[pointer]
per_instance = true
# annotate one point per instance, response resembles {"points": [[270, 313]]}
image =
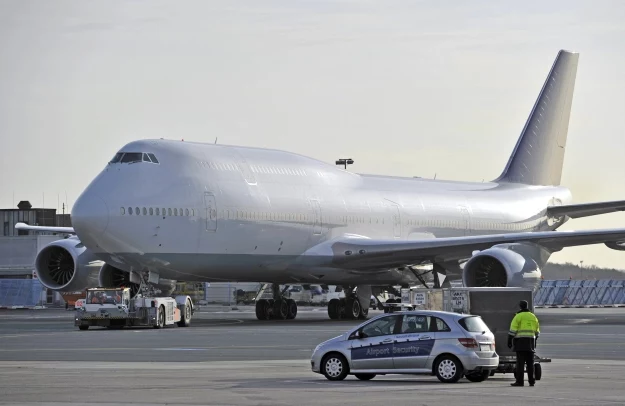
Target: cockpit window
{"points": [[117, 158], [130, 157]]}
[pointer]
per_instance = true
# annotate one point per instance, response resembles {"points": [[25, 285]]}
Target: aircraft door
{"points": [[316, 217], [210, 204], [396, 218], [465, 219]]}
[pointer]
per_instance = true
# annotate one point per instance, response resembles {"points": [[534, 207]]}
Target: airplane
{"points": [[163, 211]]}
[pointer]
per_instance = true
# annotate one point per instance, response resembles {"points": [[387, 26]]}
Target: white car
{"points": [[448, 345]]}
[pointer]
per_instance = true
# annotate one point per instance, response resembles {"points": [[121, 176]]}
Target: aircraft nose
{"points": [[90, 216]]}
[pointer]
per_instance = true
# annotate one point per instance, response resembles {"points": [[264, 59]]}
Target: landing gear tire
{"points": [[185, 317], [292, 306], [263, 309], [280, 309], [334, 309], [365, 377], [160, 317], [478, 376], [352, 308]]}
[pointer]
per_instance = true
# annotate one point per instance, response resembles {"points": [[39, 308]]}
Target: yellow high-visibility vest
{"points": [[524, 324]]}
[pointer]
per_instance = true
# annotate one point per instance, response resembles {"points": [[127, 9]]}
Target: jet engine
{"points": [[510, 265], [67, 266], [112, 277]]}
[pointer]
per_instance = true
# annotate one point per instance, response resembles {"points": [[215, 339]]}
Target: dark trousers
{"points": [[524, 359]]}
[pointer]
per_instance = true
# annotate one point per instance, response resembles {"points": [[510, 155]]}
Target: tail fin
{"points": [[538, 156]]}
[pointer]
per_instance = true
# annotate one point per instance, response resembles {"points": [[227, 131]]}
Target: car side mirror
{"points": [[356, 335]]}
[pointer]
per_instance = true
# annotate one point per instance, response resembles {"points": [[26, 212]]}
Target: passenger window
{"points": [[145, 212], [157, 211], [181, 212], [415, 324], [164, 211], [193, 213], [130, 157], [381, 327], [151, 212], [169, 210], [175, 212], [137, 212], [439, 325], [130, 210], [153, 158], [186, 212], [123, 211]]}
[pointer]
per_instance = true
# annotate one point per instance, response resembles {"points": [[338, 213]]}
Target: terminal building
{"points": [[18, 250]]}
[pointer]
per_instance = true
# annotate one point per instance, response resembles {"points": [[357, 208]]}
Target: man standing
{"points": [[524, 332]]}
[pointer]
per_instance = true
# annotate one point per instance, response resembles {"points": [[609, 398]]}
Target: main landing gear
{"points": [[354, 306], [278, 308]]}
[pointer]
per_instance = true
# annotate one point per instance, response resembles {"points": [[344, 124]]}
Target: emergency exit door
{"points": [[210, 204]]}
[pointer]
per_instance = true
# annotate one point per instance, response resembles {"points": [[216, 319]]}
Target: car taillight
{"points": [[468, 342]]}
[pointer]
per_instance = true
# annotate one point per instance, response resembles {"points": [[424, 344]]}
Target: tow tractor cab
{"points": [[113, 308]]}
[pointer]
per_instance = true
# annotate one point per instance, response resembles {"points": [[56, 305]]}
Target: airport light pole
{"points": [[344, 162]]}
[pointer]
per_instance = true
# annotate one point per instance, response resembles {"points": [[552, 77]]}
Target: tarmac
{"points": [[227, 357]]}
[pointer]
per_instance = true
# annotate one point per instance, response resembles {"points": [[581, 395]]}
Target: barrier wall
{"points": [[580, 293], [21, 293]]}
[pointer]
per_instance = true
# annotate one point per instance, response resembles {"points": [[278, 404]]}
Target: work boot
{"points": [[531, 383], [517, 384]]}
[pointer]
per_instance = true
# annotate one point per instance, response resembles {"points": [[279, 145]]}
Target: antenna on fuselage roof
{"points": [[215, 140]]}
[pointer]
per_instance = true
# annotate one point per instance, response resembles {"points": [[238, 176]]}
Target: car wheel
{"points": [[478, 376], [365, 377], [448, 369], [334, 367]]}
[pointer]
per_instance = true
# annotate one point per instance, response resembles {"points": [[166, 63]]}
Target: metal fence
{"points": [[18, 293], [15, 293], [580, 293]]}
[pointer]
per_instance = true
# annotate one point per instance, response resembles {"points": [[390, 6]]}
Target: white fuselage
{"points": [[213, 212]]}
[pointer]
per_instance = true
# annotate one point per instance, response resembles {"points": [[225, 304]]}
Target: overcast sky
{"points": [[408, 88]]}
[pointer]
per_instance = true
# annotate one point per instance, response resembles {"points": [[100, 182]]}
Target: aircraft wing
{"points": [[361, 253], [586, 209], [62, 230]]}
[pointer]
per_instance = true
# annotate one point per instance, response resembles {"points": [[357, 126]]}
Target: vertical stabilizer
{"points": [[538, 156]]}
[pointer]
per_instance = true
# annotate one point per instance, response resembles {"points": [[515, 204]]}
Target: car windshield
{"points": [[104, 297], [473, 324]]}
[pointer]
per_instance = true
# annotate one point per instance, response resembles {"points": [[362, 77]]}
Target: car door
{"points": [[414, 342], [373, 348]]}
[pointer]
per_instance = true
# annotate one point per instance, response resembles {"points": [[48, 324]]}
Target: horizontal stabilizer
{"points": [[62, 230], [586, 209]]}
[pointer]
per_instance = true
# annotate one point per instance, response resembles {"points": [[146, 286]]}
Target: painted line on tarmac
{"points": [[234, 347]]}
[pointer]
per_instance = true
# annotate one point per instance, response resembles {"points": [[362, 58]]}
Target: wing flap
{"points": [[586, 209], [373, 254]]}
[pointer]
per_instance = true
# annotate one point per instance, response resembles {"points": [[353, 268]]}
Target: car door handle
{"points": [[387, 341]]}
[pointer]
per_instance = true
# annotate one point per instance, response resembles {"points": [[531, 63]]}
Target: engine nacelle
{"points": [[67, 266], [112, 277], [503, 266]]}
